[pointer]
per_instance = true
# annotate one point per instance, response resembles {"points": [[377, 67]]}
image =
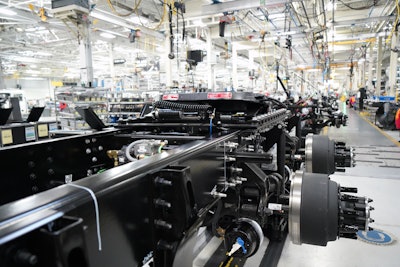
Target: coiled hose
{"points": [[181, 106]]}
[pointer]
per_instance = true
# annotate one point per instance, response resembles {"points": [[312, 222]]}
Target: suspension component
{"points": [[319, 211], [344, 155], [323, 155]]}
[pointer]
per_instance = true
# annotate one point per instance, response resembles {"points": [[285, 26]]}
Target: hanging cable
{"points": [[162, 17], [96, 209], [183, 27], [177, 41], [305, 16], [114, 10], [212, 116], [171, 32], [375, 2], [395, 25], [323, 12]]}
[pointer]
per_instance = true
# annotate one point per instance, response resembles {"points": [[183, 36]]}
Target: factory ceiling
{"points": [[39, 40]]}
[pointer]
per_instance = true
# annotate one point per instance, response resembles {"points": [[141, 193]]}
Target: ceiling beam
{"points": [[363, 21], [107, 17], [356, 37], [240, 5]]}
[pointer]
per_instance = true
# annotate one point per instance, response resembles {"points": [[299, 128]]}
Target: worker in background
{"points": [[361, 95], [397, 121], [343, 100], [352, 101], [63, 106]]}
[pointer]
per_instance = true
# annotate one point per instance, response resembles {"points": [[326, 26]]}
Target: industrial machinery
{"points": [[385, 114], [194, 169], [318, 113]]}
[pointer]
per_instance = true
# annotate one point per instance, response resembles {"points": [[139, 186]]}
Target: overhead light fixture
{"points": [[138, 20], [286, 33], [199, 23], [277, 16], [35, 29], [107, 35], [330, 6], [160, 49], [6, 11], [44, 54]]}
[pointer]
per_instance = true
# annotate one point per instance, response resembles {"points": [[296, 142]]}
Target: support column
{"points": [[210, 70], [355, 79], [364, 67], [378, 68], [302, 83], [370, 65], [251, 59], [112, 69], [85, 54], [2, 83], [234, 76], [393, 66], [349, 84], [361, 74]]}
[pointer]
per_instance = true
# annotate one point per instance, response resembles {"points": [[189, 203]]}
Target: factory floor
{"points": [[376, 175]]}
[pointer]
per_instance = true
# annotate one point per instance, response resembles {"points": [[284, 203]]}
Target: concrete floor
{"points": [[377, 175]]}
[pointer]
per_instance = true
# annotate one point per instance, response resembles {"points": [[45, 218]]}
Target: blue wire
{"points": [[210, 127]]}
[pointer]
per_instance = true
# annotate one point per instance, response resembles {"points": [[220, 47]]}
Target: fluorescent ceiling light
{"points": [[119, 49], [107, 35], [41, 28], [45, 54], [9, 12], [32, 71], [199, 23], [287, 33], [277, 16], [100, 42], [138, 20], [330, 6], [32, 78]]}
